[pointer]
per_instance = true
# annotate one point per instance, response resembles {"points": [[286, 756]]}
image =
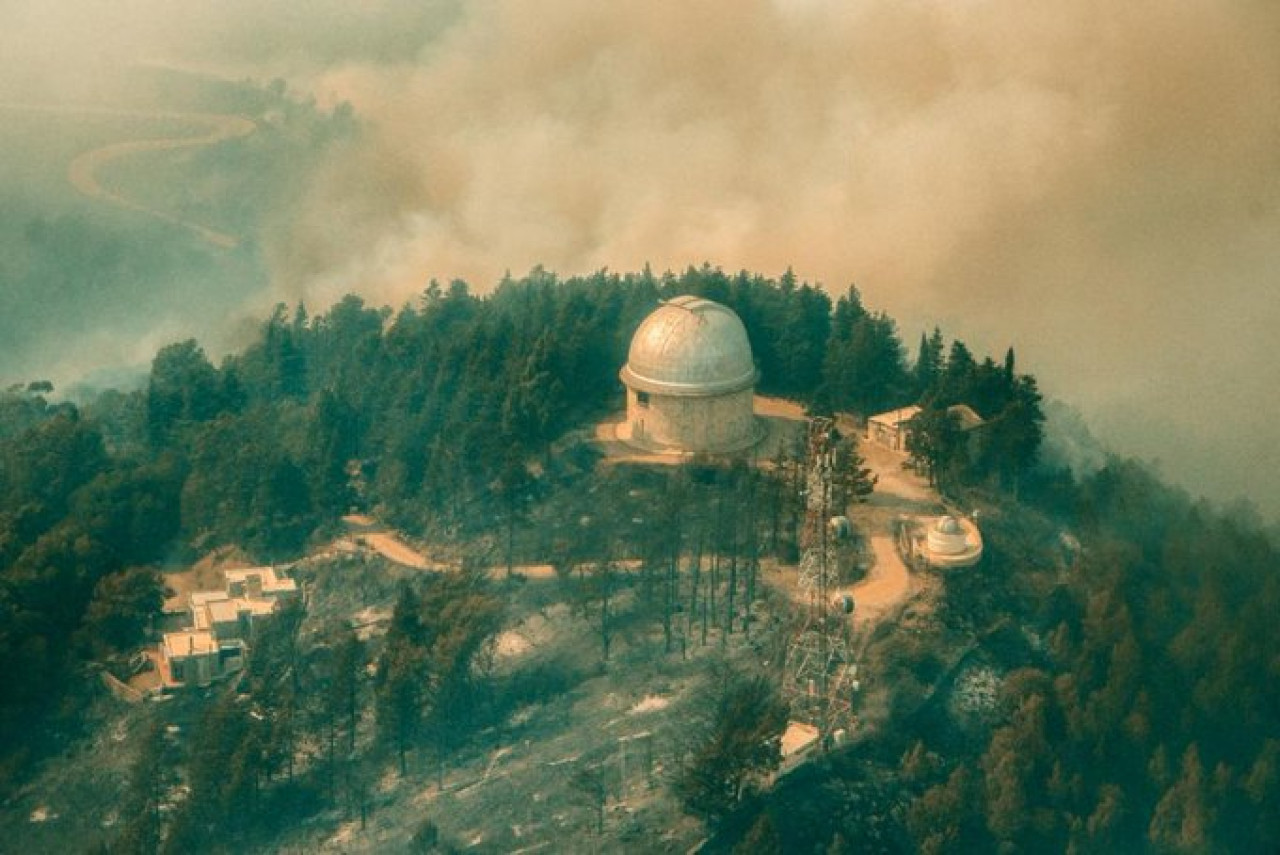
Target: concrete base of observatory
{"points": [[775, 424], [720, 425]]}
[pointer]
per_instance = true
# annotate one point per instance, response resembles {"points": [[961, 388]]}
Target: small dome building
{"points": [[947, 537], [690, 380], [950, 542]]}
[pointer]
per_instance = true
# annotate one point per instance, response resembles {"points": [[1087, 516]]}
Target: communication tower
{"points": [[820, 673]]}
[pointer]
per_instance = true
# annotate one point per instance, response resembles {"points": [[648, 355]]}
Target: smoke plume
{"points": [[1095, 184]]}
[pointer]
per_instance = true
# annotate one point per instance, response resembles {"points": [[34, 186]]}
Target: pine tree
{"points": [[956, 383], [183, 389], [403, 677], [1180, 821], [852, 481], [935, 446], [928, 367], [741, 746]]}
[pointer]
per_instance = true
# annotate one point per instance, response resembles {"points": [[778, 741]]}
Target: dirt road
{"points": [[82, 173], [391, 547], [887, 585], [898, 493]]}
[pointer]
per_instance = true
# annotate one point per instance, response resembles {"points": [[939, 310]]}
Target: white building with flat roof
{"points": [[221, 623], [260, 583], [890, 429], [196, 657]]}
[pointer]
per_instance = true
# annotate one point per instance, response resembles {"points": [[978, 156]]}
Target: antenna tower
{"points": [[820, 672]]}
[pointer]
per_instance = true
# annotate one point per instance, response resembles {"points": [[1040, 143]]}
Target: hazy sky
{"points": [[1095, 183]]}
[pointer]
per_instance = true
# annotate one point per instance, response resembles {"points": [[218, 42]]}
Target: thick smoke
{"points": [[1097, 184]]}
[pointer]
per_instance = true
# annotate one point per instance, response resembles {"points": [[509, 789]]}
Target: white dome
{"points": [[947, 537], [690, 346], [949, 525]]}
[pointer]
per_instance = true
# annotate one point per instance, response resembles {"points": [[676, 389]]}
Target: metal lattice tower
{"points": [[820, 671]]}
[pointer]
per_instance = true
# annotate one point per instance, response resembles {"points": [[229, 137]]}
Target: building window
{"points": [[642, 399]]}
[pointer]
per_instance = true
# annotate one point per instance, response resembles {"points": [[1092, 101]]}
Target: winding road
{"points": [[886, 586], [890, 583], [82, 173]]}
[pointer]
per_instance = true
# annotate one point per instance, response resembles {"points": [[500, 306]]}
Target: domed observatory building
{"points": [[951, 542], [690, 379]]}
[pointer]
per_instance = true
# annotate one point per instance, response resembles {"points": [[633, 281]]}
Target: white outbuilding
{"points": [[690, 380], [952, 542], [890, 429]]}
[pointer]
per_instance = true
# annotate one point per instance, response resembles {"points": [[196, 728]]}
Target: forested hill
{"points": [[439, 401], [1146, 711], [1132, 633]]}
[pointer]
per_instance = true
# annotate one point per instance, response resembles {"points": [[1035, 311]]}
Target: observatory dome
{"points": [[952, 542], [949, 525], [690, 380], [690, 346], [947, 537]]}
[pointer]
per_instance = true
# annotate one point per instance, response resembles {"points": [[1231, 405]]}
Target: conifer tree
{"points": [[928, 367]]}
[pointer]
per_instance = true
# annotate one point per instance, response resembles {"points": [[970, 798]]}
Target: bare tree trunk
{"points": [[440, 765], [333, 751], [732, 592], [606, 584], [695, 580], [732, 543], [715, 586], [752, 546], [511, 538], [668, 600]]}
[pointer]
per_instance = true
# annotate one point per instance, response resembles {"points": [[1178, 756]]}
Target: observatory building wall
{"points": [[715, 423]]}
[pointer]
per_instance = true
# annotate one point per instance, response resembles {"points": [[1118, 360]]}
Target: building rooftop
{"points": [[228, 611], [266, 576], [200, 603], [202, 598], [226, 606], [798, 737], [223, 611], [252, 592], [895, 418], [256, 607], [190, 642]]}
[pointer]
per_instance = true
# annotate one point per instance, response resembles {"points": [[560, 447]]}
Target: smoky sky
{"points": [[1095, 184]]}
